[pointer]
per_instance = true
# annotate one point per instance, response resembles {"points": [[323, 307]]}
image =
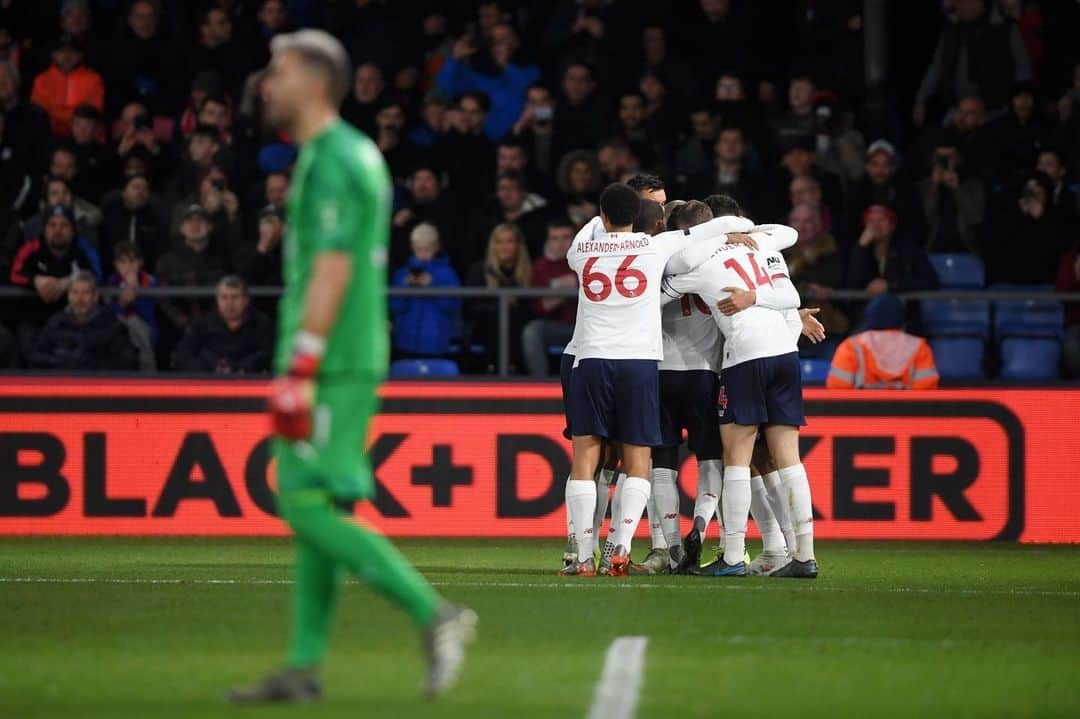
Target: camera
{"points": [[941, 161], [141, 122], [218, 184], [543, 113]]}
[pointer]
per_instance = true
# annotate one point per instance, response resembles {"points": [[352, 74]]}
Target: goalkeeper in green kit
{"points": [[331, 356]]}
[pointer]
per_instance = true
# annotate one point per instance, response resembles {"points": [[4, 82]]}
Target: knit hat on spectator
{"points": [[88, 112], [61, 211], [271, 211], [885, 312], [796, 141], [193, 210], [881, 145], [879, 209]]}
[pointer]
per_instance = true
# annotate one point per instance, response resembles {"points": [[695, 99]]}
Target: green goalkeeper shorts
{"points": [[335, 457]]}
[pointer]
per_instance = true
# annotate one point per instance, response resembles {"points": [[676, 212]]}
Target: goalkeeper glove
{"points": [[292, 396]]}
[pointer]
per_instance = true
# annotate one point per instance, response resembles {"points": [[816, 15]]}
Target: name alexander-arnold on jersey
{"points": [[635, 243]]}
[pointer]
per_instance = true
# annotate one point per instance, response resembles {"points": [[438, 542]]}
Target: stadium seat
{"points": [[424, 368], [956, 318], [1030, 358], [958, 357], [814, 371], [959, 271], [1027, 318]]}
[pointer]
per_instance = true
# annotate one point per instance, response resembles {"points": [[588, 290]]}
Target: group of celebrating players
{"points": [[687, 319]]}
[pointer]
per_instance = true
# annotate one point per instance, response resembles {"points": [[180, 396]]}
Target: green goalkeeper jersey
{"points": [[339, 201]]}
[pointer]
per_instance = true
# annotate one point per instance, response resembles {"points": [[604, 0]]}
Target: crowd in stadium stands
{"points": [[133, 154]]}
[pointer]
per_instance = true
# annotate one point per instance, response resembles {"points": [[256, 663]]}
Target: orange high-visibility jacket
{"points": [[883, 359], [61, 93]]}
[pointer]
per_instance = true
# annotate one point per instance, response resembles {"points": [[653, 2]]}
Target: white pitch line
{"points": [[703, 585], [619, 688]]}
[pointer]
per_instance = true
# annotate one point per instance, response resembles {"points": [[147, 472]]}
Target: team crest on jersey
{"points": [[328, 214], [378, 257]]}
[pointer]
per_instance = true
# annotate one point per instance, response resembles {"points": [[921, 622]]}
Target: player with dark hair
{"points": [[648, 187], [330, 359], [763, 389], [723, 205], [614, 390]]}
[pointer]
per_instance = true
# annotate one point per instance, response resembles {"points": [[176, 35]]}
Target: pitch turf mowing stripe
{"points": [[706, 584], [619, 687]]}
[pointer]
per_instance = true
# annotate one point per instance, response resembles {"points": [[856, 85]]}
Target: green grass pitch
{"points": [[890, 629]]}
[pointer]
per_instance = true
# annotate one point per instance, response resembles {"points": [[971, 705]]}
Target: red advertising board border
{"points": [[165, 456]]}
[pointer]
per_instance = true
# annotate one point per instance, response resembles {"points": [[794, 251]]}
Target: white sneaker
{"points": [[766, 563]]}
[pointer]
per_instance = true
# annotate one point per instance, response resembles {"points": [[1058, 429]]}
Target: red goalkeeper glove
{"points": [[292, 396]]}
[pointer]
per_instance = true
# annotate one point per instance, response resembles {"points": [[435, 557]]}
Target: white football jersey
{"points": [[691, 337], [619, 279], [571, 346], [758, 331]]}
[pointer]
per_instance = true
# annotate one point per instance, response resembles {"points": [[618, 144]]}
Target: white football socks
{"points": [[635, 497], [710, 486], [735, 506], [781, 507], [656, 531], [665, 496], [603, 495], [580, 503], [772, 539], [569, 519], [797, 488]]}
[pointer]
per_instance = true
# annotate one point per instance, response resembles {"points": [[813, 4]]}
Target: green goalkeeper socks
{"points": [[326, 540], [314, 598]]}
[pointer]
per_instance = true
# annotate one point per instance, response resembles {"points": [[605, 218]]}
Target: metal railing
{"points": [[503, 296]]}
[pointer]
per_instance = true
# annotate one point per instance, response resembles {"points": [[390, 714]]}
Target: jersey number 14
{"points": [[760, 278]]}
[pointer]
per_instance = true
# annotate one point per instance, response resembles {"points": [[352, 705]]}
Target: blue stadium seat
{"points": [[958, 357], [959, 271], [1030, 358], [814, 371], [956, 318], [1027, 318], [424, 368]]}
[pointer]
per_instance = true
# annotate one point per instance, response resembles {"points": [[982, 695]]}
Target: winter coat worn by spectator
{"points": [[184, 267], [906, 267], [100, 343], [883, 359], [34, 258], [60, 93], [423, 325], [210, 346], [143, 307], [506, 90], [884, 356]]}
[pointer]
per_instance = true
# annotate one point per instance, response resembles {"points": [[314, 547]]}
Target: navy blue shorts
{"points": [[616, 399], [763, 391], [566, 366], [688, 401]]}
